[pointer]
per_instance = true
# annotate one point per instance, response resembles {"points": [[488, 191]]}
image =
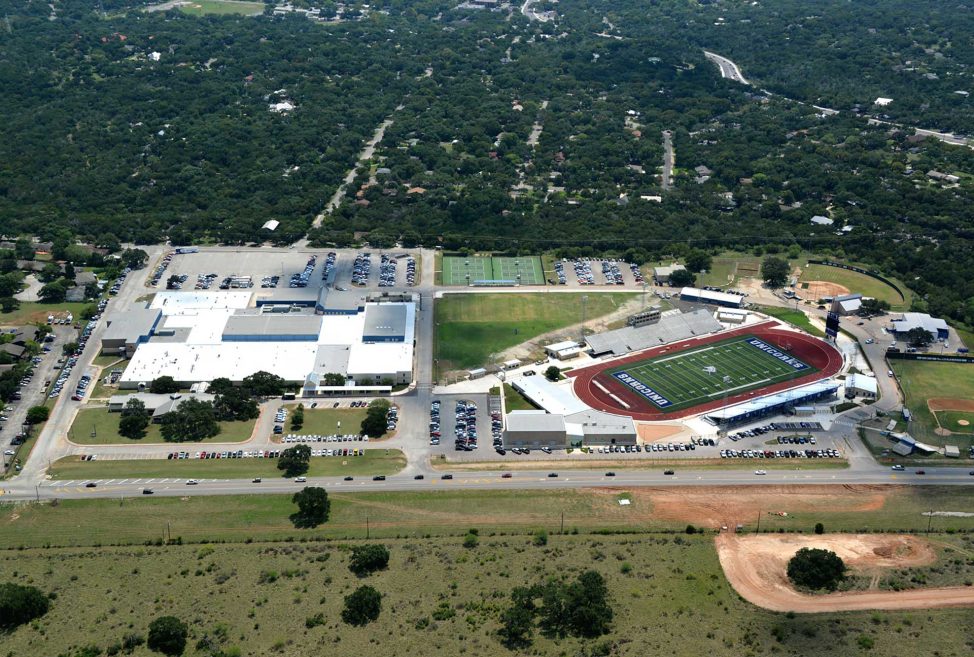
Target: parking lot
{"points": [[448, 425], [587, 272], [263, 266]]}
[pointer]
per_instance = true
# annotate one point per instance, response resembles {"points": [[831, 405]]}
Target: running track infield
{"points": [[592, 383]]}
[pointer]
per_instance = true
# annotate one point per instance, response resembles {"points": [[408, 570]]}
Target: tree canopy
{"points": [[295, 460], [367, 559], [815, 568], [20, 604], [193, 420], [362, 606], [167, 634], [313, 507]]}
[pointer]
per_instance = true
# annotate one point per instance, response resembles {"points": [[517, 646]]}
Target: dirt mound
{"points": [[756, 566], [950, 404]]}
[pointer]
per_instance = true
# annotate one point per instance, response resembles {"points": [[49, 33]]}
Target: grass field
{"points": [[460, 270], [471, 327], [201, 7], [440, 599], [956, 421], [324, 421], [922, 380], [793, 317], [105, 427], [676, 381], [855, 282], [373, 462], [36, 313]]}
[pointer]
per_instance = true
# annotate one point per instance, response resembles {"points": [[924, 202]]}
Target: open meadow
{"points": [[667, 592]]}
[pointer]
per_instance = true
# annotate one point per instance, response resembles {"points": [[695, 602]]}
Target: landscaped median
{"points": [[584, 462], [373, 462]]}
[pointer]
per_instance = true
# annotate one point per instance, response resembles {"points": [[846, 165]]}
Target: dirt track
{"points": [[755, 565]]}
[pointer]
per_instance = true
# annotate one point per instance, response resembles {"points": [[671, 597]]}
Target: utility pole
{"points": [[168, 532], [929, 520], [759, 522], [37, 491], [562, 522], [366, 526]]}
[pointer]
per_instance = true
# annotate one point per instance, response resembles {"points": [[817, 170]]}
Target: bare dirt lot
{"points": [[650, 433], [755, 565], [714, 507]]}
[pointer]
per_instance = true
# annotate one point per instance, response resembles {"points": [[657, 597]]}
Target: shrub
{"points": [[367, 559], [20, 604], [362, 606], [167, 634], [541, 537], [816, 569], [819, 528]]}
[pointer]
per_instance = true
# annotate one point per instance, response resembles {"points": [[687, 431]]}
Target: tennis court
{"points": [[707, 373], [459, 270], [456, 269]]}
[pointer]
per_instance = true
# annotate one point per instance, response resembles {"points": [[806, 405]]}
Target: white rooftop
{"points": [[722, 297], [553, 397], [862, 382], [561, 346], [175, 302]]}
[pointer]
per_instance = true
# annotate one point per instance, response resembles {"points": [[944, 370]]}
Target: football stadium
{"points": [[690, 377]]}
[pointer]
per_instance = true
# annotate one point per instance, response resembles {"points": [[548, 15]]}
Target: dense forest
{"points": [[505, 133]]}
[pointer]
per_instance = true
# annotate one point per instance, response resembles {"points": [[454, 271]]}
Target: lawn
{"points": [[471, 327], [373, 462], [793, 317], [515, 401], [201, 7], [324, 421], [105, 427], [922, 380], [36, 313], [855, 282]]}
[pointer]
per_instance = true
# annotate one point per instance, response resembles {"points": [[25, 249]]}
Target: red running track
{"points": [[814, 351]]}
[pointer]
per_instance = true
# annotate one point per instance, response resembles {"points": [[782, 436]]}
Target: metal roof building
{"points": [[128, 331], [535, 429], [774, 403], [936, 327], [272, 328], [712, 298], [385, 322], [670, 328]]}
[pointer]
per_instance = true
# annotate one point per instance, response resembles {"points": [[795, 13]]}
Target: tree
{"points": [[362, 606], [333, 379], [54, 292], [682, 278], [219, 386], [38, 414], [775, 272], [578, 608], [313, 507], [376, 419], [134, 258], [134, 420], [163, 385], [9, 304], [20, 604], [367, 559], [264, 384], [235, 404], [815, 568], [294, 460], [698, 260], [552, 373], [193, 420], [167, 634], [517, 621], [918, 337], [297, 417], [873, 307], [50, 273], [69, 348], [819, 528]]}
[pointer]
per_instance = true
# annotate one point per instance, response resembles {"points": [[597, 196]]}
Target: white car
{"points": [[191, 482], [760, 472]]}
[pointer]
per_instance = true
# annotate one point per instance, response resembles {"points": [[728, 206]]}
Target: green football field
{"points": [[672, 382], [460, 270]]}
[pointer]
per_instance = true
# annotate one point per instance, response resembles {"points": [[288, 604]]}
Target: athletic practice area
{"points": [[690, 377], [496, 270], [676, 381]]}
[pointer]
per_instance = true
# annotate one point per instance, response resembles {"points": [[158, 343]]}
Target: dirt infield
{"points": [[950, 404], [821, 289], [817, 353], [756, 565]]}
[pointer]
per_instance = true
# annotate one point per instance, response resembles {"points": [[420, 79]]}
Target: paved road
{"points": [[668, 161], [732, 71], [521, 480]]}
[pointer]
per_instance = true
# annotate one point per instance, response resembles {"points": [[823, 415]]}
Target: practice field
{"points": [[706, 373], [201, 7], [459, 270], [695, 376], [854, 282]]}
